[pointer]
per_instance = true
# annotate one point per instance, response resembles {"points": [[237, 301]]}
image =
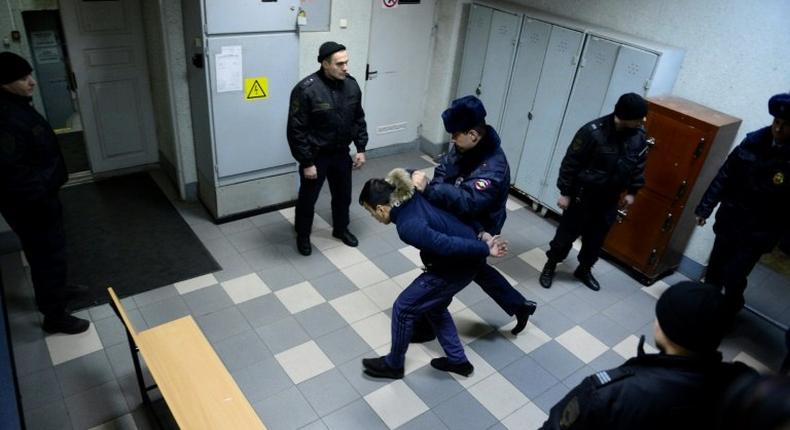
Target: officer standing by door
{"points": [[31, 173], [753, 187], [325, 116], [606, 158]]}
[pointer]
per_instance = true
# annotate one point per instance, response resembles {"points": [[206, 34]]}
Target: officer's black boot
{"points": [[463, 369], [547, 274], [585, 275], [303, 245], [346, 237], [378, 367], [522, 316], [64, 323]]}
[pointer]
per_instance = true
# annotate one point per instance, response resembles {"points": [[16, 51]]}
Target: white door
{"points": [[399, 54], [107, 52]]}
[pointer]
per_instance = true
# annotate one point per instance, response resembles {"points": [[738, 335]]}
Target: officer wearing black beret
{"points": [[753, 190], [606, 158], [31, 173], [324, 118], [679, 388]]}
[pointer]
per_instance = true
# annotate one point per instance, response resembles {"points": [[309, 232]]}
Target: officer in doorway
{"points": [[324, 118], [31, 173], [679, 388], [606, 158], [753, 187]]}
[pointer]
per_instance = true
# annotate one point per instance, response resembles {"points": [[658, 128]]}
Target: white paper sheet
{"points": [[229, 73]]}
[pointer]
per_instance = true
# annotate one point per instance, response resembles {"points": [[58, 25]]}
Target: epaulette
{"points": [[307, 82], [606, 377]]}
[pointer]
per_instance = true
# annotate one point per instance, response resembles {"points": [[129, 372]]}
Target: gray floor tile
{"points": [[529, 377], [573, 307], [242, 350], [342, 345], [111, 331], [156, 295], [578, 376], [283, 334], [373, 247], [51, 416], [320, 320], [464, 412], [496, 350], [207, 300], [96, 406], [315, 425], [281, 276], [393, 263], [551, 321], [262, 380], [31, 357], [287, 410], [39, 388], [233, 266], [312, 266], [164, 311], [432, 386], [328, 392], [248, 239], [550, 398], [427, 421], [605, 329], [237, 226], [471, 294], [100, 312], [490, 311], [364, 384], [556, 359], [120, 359], [633, 312], [206, 231], [83, 373], [220, 246], [356, 416], [279, 232], [264, 258], [266, 218], [607, 360], [333, 285], [263, 310], [517, 269], [222, 324]]}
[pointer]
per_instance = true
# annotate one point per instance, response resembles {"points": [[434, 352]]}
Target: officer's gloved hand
{"points": [[419, 179]]}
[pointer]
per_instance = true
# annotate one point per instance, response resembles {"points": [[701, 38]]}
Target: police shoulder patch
{"points": [[570, 413], [307, 82], [482, 184]]}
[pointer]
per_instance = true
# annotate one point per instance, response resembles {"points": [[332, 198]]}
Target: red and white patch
{"points": [[482, 184]]}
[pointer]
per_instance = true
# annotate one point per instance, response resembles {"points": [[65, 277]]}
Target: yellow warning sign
{"points": [[256, 88]]}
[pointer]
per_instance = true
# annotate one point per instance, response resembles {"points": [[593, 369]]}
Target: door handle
{"points": [[700, 148], [197, 61], [478, 91], [370, 74]]}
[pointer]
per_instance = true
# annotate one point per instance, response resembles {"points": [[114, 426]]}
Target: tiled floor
{"points": [[292, 331]]}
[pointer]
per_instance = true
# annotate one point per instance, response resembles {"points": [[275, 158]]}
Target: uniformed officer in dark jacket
{"points": [[325, 116], [679, 388], [472, 181], [31, 173], [753, 187], [605, 159]]}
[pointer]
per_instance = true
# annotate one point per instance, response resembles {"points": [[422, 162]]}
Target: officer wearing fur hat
{"points": [[452, 254], [324, 118], [31, 173], [679, 388], [605, 159], [472, 181], [753, 187]]}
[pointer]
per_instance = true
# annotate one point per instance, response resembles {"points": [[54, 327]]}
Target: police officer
{"points": [[753, 187], [679, 388], [472, 182], [451, 253], [606, 158], [31, 173], [325, 116]]}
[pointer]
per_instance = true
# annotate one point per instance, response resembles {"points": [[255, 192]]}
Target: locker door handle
{"points": [[681, 189], [667, 223], [529, 116], [370, 74], [478, 91], [700, 148]]}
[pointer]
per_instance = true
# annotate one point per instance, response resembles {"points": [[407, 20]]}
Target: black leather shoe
{"points": [[379, 368], [303, 245], [547, 274], [67, 324], [522, 316], [585, 275], [347, 238], [463, 369]]}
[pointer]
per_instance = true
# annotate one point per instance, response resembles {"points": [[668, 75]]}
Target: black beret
{"points": [[630, 106], [464, 114], [692, 315], [329, 48], [13, 67], [779, 106]]}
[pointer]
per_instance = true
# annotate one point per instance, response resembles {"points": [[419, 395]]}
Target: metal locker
{"points": [[632, 73], [250, 16], [523, 86], [498, 64], [477, 30], [559, 69]]}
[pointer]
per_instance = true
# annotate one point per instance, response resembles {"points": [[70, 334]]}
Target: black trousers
{"points": [[39, 226], [731, 260], [336, 169], [590, 217]]}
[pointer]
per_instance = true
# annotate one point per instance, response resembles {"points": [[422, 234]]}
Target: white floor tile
{"points": [[320, 223], [404, 279], [627, 348], [323, 240], [288, 213], [528, 417], [195, 284], [383, 294], [364, 274], [747, 359], [344, 256], [396, 404], [65, 347], [528, 340], [514, 204], [375, 329], [354, 306], [657, 289], [582, 344], [304, 361], [535, 257], [299, 297], [245, 288], [124, 422], [498, 395], [470, 325], [456, 306], [412, 254], [482, 369]]}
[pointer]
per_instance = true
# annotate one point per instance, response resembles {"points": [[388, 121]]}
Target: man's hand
{"points": [[484, 236], [359, 160], [419, 179], [563, 202], [310, 172], [701, 221], [497, 247], [627, 201]]}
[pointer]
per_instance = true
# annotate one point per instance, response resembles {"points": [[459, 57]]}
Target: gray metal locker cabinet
{"points": [[554, 87], [475, 44], [632, 71]]}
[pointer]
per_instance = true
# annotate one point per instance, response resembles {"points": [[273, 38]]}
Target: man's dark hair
{"points": [[376, 192]]}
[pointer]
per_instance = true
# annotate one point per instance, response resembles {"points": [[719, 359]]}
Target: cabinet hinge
{"points": [[648, 82]]}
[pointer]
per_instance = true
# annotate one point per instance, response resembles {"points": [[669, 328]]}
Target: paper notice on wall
{"points": [[229, 73]]}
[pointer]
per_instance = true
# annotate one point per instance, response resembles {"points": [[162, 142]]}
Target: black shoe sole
{"points": [[532, 307]]}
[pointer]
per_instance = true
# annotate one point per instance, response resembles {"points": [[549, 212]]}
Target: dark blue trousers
{"points": [[499, 289]]}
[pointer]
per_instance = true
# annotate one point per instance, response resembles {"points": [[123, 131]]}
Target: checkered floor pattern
{"points": [[292, 330]]}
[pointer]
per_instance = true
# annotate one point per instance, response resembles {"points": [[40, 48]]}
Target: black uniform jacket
{"points": [[325, 115], [603, 160], [31, 165], [649, 391]]}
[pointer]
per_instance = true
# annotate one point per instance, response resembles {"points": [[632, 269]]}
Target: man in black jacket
{"points": [[679, 388], [31, 173], [325, 116], [606, 158], [753, 187]]}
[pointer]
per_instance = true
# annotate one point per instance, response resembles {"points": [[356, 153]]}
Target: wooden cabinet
{"points": [[691, 143]]}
